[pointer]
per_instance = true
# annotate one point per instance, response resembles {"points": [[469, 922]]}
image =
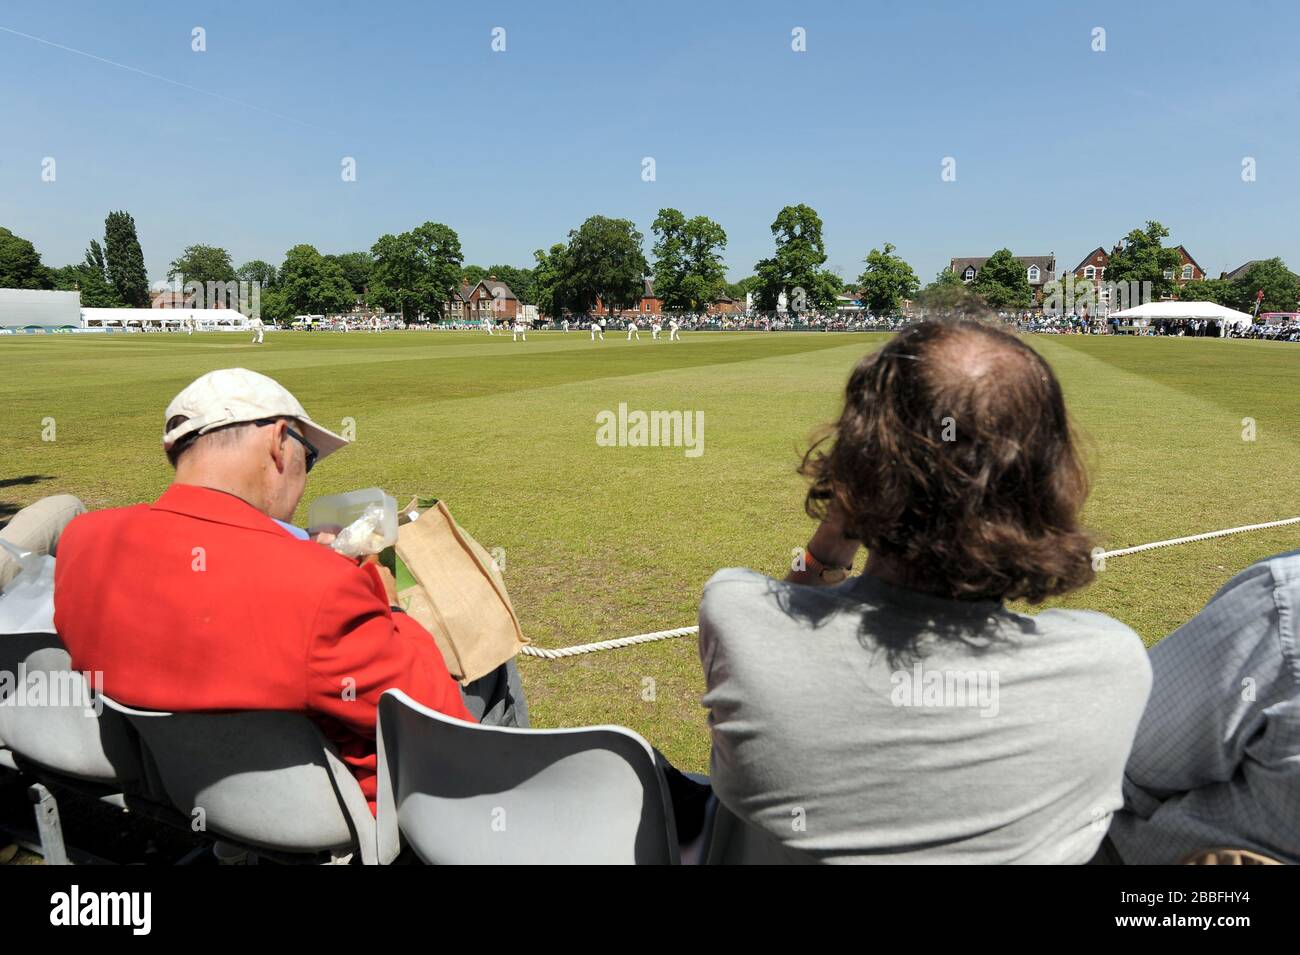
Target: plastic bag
{"points": [[27, 603], [363, 536]]}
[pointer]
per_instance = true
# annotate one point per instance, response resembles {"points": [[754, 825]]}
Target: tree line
{"points": [[603, 263]]}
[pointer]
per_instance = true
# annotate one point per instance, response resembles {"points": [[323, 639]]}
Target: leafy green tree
{"points": [[20, 264], [688, 269], [125, 260], [670, 257], [1140, 257], [96, 290], [604, 260], [356, 268], [739, 290], [548, 280], [275, 305], [202, 264], [1002, 282], [259, 272], [950, 295], [519, 280], [795, 269], [473, 274], [1278, 283], [312, 284], [415, 272], [1206, 290], [886, 281]]}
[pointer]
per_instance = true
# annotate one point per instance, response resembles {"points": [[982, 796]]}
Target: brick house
{"points": [[485, 299], [1190, 270], [649, 304], [1039, 270]]}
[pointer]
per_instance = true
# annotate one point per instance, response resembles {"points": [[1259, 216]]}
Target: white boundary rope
{"points": [[556, 654]]}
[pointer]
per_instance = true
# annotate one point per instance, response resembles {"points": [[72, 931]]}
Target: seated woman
{"points": [[907, 715]]}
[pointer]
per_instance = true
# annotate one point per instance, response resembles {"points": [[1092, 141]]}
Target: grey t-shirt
{"points": [[1004, 740]]}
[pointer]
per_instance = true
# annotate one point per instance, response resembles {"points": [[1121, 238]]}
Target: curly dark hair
{"points": [[955, 459]]}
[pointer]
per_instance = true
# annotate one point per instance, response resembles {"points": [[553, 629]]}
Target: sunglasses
{"points": [[312, 452]]}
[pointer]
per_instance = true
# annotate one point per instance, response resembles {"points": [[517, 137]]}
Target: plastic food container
{"points": [[372, 511]]}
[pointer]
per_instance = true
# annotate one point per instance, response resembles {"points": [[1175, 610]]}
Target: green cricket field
{"points": [[1182, 436]]}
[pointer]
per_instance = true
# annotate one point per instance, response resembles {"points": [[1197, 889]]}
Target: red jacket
{"points": [[201, 602]]}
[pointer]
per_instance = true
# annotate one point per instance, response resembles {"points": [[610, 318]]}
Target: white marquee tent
{"points": [[203, 318], [1208, 311]]}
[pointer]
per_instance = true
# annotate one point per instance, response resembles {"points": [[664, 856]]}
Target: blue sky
{"points": [[1058, 148]]}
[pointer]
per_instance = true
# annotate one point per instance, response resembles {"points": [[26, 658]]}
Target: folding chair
{"points": [[458, 792], [266, 780]]}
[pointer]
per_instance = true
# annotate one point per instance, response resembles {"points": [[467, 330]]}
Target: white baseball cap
{"points": [[235, 396]]}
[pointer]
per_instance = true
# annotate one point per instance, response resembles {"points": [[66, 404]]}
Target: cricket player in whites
{"points": [[520, 330], [487, 324], [673, 334], [633, 329], [565, 324], [258, 329], [655, 328], [597, 329]]}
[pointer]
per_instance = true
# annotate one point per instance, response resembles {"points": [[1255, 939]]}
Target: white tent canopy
{"points": [[1208, 311]]}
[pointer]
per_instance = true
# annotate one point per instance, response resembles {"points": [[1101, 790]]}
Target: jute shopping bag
{"points": [[457, 593]]}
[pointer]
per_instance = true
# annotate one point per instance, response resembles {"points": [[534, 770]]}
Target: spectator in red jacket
{"points": [[207, 600]]}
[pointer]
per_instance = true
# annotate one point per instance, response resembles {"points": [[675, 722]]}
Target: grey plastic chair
{"points": [[462, 793], [267, 780], [64, 737]]}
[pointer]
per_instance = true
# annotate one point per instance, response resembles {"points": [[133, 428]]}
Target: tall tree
{"points": [[604, 260], [202, 264], [519, 280], [312, 284], [356, 268], [1003, 282], [948, 293], [96, 290], [548, 280], [257, 271], [886, 281], [20, 264], [1218, 291], [1274, 279], [125, 260], [415, 272], [688, 268], [1140, 257], [669, 250], [795, 270]]}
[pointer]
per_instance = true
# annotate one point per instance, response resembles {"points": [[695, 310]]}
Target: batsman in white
{"points": [[597, 329], [673, 334], [633, 329], [520, 330], [258, 330], [655, 328]]}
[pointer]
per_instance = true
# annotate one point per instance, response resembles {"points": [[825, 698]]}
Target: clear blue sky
{"points": [[1058, 148]]}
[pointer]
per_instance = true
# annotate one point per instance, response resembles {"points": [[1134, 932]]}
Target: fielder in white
{"points": [[258, 331], [596, 329], [487, 323], [565, 324], [633, 329], [673, 334], [655, 328], [520, 330]]}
